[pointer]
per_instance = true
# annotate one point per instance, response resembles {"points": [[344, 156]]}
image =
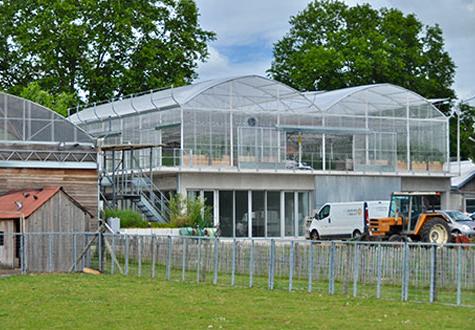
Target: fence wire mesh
{"points": [[392, 271]]}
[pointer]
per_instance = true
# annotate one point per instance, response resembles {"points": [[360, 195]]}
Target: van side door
{"points": [[324, 219]]}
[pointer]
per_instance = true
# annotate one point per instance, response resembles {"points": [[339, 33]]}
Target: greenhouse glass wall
{"points": [[252, 122]]}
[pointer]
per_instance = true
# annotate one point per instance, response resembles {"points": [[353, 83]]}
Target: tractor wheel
{"points": [[436, 231], [314, 235], [395, 238]]}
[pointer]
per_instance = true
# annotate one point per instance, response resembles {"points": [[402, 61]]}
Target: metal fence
{"points": [[394, 271]]}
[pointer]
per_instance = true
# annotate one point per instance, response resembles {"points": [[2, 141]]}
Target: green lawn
{"points": [[104, 302]]}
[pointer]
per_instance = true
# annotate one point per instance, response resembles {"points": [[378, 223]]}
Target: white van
{"points": [[344, 220]]}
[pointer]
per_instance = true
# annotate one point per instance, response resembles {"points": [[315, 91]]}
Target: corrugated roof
{"points": [[467, 169], [24, 203], [249, 90]]}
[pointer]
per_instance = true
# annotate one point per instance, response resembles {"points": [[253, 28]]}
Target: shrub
{"points": [[189, 212], [128, 218]]}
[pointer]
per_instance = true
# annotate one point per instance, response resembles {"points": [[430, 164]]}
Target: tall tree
{"points": [[331, 45], [97, 49]]}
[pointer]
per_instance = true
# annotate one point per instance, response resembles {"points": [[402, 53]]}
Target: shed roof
{"points": [[467, 173], [24, 203]]}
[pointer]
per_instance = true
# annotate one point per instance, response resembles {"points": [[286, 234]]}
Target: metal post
{"points": [[310, 268], [233, 265], [433, 269], [154, 255], [380, 272], [99, 247], [139, 254], [291, 264], [459, 275], [405, 273], [183, 261], [215, 259], [198, 264], [356, 267], [251, 265], [50, 253], [25, 255], [271, 264], [75, 249], [169, 257], [113, 255], [22, 253], [126, 267], [331, 270]]}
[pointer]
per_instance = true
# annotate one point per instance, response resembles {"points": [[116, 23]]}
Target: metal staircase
{"points": [[125, 181]]}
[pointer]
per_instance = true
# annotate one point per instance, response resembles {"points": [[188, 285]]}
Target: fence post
{"points": [[99, 247], [380, 272], [22, 253], [126, 267], [75, 252], [183, 261], [169, 257], [50, 253], [271, 265], [251, 264], [356, 266], [154, 254], [233, 265], [405, 273], [291, 264], [459, 275], [198, 264], [215, 261], [25, 254], [310, 268], [433, 270], [139, 254], [113, 255], [331, 270]]}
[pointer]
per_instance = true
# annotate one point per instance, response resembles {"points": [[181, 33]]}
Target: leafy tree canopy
{"points": [[331, 45], [97, 49]]}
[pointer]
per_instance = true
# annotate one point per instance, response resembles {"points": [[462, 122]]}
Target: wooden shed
{"points": [[46, 218]]}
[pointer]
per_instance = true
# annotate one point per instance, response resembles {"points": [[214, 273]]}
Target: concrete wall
{"points": [[245, 181], [429, 185], [333, 188]]}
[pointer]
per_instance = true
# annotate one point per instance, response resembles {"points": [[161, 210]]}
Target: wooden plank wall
{"points": [[59, 215], [7, 251], [79, 184]]}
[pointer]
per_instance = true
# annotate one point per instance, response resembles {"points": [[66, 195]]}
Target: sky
{"points": [[247, 29]]}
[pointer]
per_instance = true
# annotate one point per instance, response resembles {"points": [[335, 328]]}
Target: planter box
{"points": [[419, 166]]}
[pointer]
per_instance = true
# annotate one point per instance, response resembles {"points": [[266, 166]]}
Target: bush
{"points": [[128, 218], [189, 212]]}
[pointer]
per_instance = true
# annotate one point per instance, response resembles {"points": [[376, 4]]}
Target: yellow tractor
{"points": [[413, 216]]}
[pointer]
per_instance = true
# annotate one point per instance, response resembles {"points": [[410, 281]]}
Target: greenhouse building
{"points": [[264, 155]]}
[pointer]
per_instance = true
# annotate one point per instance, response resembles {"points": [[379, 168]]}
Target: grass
{"points": [[98, 302]]}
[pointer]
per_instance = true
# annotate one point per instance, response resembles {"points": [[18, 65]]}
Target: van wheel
{"points": [[314, 235], [356, 234]]}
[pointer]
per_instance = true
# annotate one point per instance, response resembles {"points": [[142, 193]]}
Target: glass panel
{"points": [[258, 214], [273, 214], [289, 214], [209, 200], [304, 211], [226, 213], [241, 214], [470, 205]]}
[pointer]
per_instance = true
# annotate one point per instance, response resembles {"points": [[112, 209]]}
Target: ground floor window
{"points": [[470, 205]]}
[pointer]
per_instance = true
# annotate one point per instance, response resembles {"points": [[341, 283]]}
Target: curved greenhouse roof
{"points": [[25, 121], [247, 93], [385, 100]]}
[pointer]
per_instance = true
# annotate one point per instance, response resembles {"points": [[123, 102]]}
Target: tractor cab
{"points": [[412, 216]]}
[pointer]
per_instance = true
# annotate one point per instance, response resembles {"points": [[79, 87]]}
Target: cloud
{"points": [[247, 29]]}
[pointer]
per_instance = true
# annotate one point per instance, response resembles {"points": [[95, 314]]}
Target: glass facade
{"points": [[254, 122]]}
